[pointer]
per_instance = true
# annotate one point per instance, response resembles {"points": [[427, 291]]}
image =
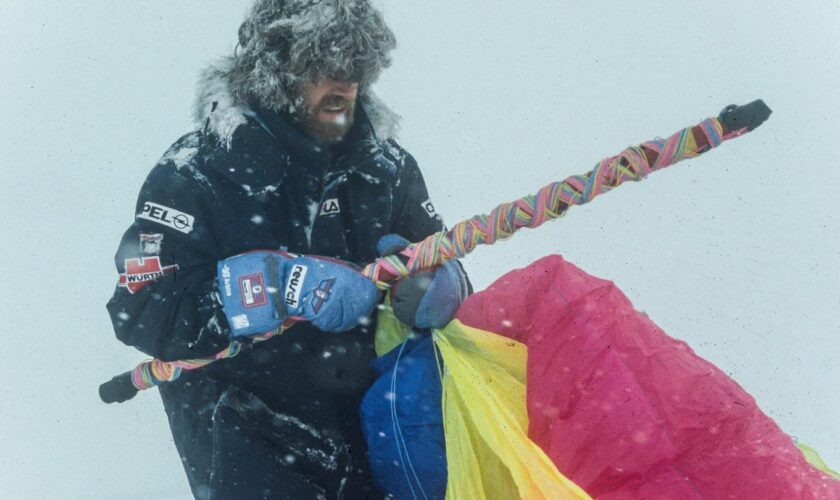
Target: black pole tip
{"points": [[118, 390], [749, 116]]}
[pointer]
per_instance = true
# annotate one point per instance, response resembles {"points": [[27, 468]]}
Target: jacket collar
{"points": [[309, 153], [285, 150], [304, 150]]}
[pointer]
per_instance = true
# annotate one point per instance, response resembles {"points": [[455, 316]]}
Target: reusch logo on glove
{"points": [[252, 290], [140, 272], [297, 275]]}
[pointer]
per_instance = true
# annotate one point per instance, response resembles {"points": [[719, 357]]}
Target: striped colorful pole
{"points": [[551, 202]]}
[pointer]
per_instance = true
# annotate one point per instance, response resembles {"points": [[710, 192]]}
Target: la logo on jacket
{"points": [[330, 207]]}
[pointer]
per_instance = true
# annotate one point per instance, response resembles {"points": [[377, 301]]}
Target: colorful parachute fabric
{"points": [[474, 422], [420, 417], [403, 423], [627, 412], [615, 407], [488, 451]]}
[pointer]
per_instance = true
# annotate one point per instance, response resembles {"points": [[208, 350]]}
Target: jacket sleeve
{"points": [[165, 303], [415, 216]]}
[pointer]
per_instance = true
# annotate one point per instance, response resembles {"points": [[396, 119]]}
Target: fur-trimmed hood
{"points": [[217, 109], [285, 43]]}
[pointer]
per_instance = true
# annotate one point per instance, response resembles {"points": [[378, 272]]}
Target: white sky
{"points": [[735, 252]]}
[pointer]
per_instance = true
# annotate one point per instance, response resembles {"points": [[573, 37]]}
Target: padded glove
{"points": [[260, 290], [250, 286], [331, 294], [428, 299]]}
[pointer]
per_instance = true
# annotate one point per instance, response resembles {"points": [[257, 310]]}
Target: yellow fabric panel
{"points": [[486, 422], [814, 459], [390, 332]]}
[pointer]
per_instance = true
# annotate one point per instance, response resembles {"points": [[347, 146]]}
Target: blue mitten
{"points": [[428, 299], [262, 289], [249, 286], [329, 293]]}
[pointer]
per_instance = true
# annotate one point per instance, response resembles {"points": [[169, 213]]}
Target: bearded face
{"points": [[328, 109]]}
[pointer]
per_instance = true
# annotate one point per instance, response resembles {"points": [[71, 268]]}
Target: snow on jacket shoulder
{"points": [[263, 186], [165, 303]]}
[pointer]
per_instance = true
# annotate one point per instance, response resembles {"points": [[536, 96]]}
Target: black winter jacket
{"points": [[265, 186]]}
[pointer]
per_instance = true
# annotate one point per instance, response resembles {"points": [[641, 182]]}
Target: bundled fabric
{"points": [[626, 411], [488, 450], [467, 441], [403, 425], [615, 408]]}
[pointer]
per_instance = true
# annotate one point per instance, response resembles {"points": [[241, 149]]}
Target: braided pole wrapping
{"points": [[550, 202], [154, 372]]}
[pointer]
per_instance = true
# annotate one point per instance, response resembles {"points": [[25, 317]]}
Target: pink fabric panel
{"points": [[626, 411]]}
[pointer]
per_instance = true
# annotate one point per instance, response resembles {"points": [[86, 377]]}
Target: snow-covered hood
{"points": [[217, 109]]}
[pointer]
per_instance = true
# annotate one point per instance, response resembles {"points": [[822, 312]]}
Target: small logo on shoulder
{"points": [[150, 244], [330, 207], [168, 217], [429, 208]]}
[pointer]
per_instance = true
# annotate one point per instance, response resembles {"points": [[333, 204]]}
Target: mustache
{"points": [[335, 101]]}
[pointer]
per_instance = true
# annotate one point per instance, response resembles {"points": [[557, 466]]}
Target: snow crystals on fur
{"points": [[284, 43], [216, 108]]}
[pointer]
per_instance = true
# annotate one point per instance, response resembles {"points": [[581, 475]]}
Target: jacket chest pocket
{"points": [[264, 223], [351, 217]]}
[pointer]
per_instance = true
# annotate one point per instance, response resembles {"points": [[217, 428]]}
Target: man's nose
{"points": [[346, 89]]}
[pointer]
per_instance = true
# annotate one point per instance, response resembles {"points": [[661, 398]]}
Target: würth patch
{"points": [[143, 271], [168, 217]]}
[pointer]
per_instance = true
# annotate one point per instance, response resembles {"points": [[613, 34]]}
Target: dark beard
{"points": [[327, 133]]}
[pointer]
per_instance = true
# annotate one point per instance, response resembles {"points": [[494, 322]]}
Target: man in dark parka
{"points": [[292, 151]]}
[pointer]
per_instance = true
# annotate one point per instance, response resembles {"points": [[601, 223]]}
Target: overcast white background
{"points": [[735, 252]]}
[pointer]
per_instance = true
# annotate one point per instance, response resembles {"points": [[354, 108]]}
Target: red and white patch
{"points": [[143, 271], [252, 290]]}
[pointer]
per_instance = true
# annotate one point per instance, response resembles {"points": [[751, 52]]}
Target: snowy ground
{"points": [[736, 252]]}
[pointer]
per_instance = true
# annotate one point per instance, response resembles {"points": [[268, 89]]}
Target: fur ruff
{"points": [[216, 107], [284, 43]]}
